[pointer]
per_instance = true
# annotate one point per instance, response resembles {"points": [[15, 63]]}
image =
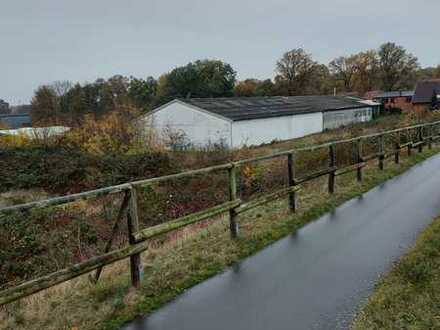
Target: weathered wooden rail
{"points": [[424, 135]]}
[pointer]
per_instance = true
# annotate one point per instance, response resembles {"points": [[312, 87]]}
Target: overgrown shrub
{"points": [[60, 170], [115, 133], [176, 198], [43, 240]]}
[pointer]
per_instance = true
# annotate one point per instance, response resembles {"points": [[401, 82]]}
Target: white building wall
{"points": [[199, 128], [335, 119], [202, 128], [258, 131]]}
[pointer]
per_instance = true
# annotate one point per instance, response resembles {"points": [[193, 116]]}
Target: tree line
{"points": [[390, 67]]}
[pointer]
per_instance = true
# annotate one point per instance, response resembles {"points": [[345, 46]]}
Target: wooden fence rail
{"points": [[139, 238]]}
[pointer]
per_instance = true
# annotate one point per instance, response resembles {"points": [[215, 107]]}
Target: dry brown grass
{"points": [[37, 311], [21, 196]]}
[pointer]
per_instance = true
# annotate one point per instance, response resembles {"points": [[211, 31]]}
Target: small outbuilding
{"points": [[14, 121], [427, 94], [237, 122], [395, 100]]}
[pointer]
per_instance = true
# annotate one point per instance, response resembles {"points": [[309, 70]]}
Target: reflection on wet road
{"points": [[316, 278]]}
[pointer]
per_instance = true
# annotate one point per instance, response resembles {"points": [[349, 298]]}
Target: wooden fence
{"points": [[416, 136]]}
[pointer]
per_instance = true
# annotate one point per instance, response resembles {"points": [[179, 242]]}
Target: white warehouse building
{"points": [[245, 121]]}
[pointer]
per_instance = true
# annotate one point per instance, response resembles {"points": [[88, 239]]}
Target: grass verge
{"points": [[409, 296], [172, 268]]}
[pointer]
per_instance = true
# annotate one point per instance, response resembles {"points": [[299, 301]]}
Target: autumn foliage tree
{"points": [[295, 70], [429, 73], [44, 106], [254, 87], [114, 133], [397, 67], [389, 67], [367, 72], [344, 69], [66, 104], [245, 88]]}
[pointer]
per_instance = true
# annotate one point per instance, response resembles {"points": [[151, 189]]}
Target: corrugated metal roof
{"points": [[370, 103], [426, 90], [386, 95], [245, 108]]}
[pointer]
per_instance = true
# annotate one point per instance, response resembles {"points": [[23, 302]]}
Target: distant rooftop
{"points": [[426, 90], [245, 108], [386, 95]]}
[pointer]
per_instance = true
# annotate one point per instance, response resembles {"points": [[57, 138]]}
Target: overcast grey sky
{"points": [[46, 40]]}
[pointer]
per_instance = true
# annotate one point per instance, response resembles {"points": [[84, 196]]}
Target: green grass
{"points": [[409, 296], [173, 267]]}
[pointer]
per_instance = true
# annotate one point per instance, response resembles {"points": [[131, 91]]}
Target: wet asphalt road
{"points": [[318, 277]]}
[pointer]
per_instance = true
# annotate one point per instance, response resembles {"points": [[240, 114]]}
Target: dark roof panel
{"points": [[245, 108], [426, 90], [386, 95]]}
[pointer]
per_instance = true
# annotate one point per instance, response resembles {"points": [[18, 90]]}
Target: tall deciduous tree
{"points": [[207, 78], [254, 87], [110, 93], [50, 103], [265, 88], [397, 67], [142, 92], [321, 82], [429, 73], [295, 70], [246, 88], [80, 101], [343, 68], [367, 73], [44, 106], [61, 89], [217, 78]]}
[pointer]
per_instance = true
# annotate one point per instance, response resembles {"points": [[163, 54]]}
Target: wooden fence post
{"points": [[430, 136], [331, 176], [397, 146], [233, 216], [108, 246], [420, 138], [291, 179], [409, 142], [359, 159], [136, 268], [381, 152]]}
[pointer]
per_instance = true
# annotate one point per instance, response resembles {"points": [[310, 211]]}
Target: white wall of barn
{"points": [[266, 130], [335, 119], [200, 128]]}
